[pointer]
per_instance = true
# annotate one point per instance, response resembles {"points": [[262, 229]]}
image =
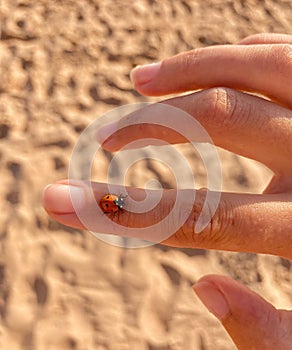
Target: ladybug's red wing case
{"points": [[111, 203]]}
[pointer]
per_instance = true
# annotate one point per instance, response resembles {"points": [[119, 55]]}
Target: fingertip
{"points": [[251, 321], [63, 199], [212, 298], [143, 76], [104, 134]]}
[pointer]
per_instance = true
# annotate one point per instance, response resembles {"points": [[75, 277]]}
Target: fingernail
{"points": [[63, 199], [106, 131], [144, 74], [213, 299]]}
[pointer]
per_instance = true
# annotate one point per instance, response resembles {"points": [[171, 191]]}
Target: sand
{"points": [[63, 64]]}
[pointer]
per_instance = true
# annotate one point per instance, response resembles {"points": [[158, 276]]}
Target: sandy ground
{"points": [[63, 64]]}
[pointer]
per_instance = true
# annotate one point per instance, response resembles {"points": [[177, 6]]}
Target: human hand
{"points": [[245, 124]]}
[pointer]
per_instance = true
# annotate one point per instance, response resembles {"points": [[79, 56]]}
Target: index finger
{"points": [[241, 222]]}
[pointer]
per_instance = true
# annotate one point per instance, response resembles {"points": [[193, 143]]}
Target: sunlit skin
{"points": [[259, 128]]}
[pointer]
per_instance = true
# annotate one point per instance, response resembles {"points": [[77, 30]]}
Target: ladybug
{"points": [[111, 203]]}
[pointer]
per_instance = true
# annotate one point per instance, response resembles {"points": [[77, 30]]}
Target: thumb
{"points": [[251, 321]]}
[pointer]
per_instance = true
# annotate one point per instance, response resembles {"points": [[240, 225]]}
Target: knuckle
{"points": [[219, 102], [281, 55], [213, 232], [216, 233], [227, 108], [189, 59]]}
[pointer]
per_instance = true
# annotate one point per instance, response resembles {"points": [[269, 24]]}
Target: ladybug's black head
{"points": [[120, 201]]}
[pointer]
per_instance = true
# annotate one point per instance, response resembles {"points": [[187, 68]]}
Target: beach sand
{"points": [[62, 65]]}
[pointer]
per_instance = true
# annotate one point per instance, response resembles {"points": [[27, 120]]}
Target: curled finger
{"points": [[241, 123]]}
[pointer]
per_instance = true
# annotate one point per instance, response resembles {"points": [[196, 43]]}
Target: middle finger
{"points": [[241, 123]]}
